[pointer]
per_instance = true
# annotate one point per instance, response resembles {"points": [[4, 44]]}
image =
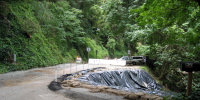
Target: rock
{"points": [[54, 86]]}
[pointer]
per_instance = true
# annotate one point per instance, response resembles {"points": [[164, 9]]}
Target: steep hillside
{"points": [[42, 33], [49, 32]]}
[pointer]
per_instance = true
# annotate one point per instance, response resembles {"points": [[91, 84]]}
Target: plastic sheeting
{"points": [[133, 80]]}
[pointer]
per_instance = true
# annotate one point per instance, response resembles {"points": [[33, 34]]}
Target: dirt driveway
{"points": [[33, 84]]}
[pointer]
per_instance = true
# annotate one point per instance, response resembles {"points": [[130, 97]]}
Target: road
{"points": [[29, 85], [33, 84]]}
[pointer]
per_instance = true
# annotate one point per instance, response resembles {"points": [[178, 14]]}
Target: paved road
{"points": [[33, 84], [29, 85]]}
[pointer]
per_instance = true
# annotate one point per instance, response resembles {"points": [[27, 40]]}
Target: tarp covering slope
{"points": [[132, 80]]}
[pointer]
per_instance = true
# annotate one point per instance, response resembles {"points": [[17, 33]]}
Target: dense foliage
{"points": [[49, 32], [169, 32], [43, 33]]}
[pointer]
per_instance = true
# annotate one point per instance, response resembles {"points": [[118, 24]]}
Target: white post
{"points": [[88, 66], [83, 65], [63, 69], [56, 75], [76, 67], [59, 71], [15, 58], [70, 67]]}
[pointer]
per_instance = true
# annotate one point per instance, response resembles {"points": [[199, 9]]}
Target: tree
{"points": [[170, 30], [111, 47]]}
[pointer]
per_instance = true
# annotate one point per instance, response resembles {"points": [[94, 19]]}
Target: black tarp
{"points": [[132, 80]]}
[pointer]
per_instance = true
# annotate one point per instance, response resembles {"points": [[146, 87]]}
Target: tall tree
{"points": [[169, 29]]}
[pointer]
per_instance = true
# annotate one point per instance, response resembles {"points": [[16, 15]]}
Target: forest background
{"points": [[49, 32]]}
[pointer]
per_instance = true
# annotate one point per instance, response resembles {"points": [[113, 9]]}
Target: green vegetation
{"points": [[42, 33], [169, 32], [50, 32]]}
